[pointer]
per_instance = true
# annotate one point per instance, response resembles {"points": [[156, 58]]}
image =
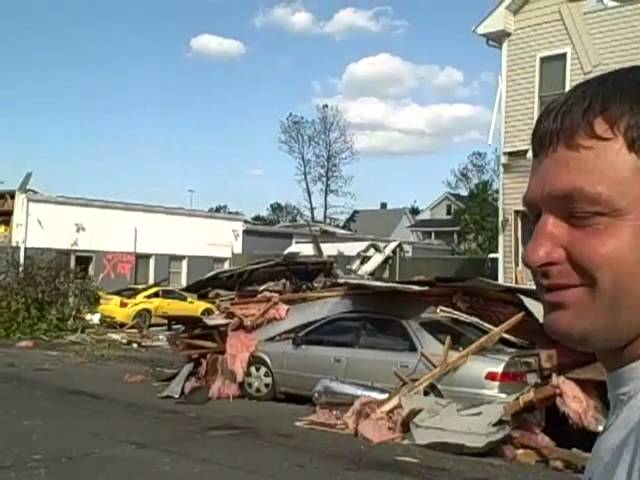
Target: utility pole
{"points": [[191, 192]]}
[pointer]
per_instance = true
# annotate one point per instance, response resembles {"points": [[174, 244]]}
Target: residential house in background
{"points": [[382, 222], [437, 222], [546, 46]]}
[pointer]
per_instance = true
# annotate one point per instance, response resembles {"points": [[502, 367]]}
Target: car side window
{"points": [[341, 332], [441, 330], [155, 294], [386, 334], [173, 295]]}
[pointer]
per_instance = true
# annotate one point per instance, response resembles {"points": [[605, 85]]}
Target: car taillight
{"points": [[506, 377], [123, 304]]}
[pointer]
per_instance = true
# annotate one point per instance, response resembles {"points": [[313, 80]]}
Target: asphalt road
{"points": [[65, 418]]}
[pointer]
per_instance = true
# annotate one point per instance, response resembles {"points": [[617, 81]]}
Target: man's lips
{"points": [[560, 292]]}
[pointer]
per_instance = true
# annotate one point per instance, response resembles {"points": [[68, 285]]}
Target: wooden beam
{"points": [[446, 367]]}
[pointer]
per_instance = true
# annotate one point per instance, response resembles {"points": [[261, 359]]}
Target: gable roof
{"points": [[376, 222], [456, 198]]}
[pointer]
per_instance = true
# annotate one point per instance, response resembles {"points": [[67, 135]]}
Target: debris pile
{"points": [[252, 299]]}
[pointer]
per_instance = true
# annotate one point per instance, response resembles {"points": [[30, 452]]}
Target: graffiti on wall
{"points": [[117, 265]]}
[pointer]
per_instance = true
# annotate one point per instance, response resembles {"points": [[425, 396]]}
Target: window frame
{"points": [[448, 210], [337, 318], [413, 346], [92, 266], [173, 290], [183, 271], [567, 76]]}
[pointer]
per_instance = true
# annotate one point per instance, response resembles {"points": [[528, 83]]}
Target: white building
{"points": [[121, 243]]}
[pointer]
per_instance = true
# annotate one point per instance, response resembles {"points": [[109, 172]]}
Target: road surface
{"points": [[67, 418]]}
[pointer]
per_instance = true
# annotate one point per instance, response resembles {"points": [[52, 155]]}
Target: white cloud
{"points": [[404, 126], [213, 46], [387, 75], [294, 17], [351, 20], [317, 87], [255, 172]]}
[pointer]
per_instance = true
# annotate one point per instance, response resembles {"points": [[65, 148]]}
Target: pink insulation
{"points": [[582, 406], [240, 346]]}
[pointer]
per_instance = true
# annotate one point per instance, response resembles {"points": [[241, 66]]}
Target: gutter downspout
{"points": [[23, 244]]}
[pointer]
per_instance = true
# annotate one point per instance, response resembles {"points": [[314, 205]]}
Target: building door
{"points": [[522, 232]]}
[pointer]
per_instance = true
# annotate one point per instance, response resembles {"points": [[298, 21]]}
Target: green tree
{"points": [[414, 209], [477, 180], [224, 208], [278, 213]]}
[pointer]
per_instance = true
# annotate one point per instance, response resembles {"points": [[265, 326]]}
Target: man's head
{"points": [[583, 200]]}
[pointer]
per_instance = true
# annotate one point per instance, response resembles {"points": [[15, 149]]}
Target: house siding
{"points": [[538, 28], [516, 175]]}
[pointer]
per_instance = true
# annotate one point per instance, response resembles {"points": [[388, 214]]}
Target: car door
{"points": [[321, 353], [385, 345], [174, 303]]}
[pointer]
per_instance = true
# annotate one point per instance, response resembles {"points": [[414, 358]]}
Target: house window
{"points": [[176, 272], [143, 270], [552, 78], [82, 265], [449, 209]]}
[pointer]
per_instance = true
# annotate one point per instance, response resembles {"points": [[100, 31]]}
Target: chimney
{"points": [[383, 205]]}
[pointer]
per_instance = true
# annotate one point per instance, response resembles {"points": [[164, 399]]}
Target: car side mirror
{"points": [[297, 341]]}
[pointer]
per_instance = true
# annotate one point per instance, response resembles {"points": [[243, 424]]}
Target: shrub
{"points": [[45, 299]]}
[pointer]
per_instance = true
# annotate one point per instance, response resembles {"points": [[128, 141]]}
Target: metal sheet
{"points": [[336, 392]]}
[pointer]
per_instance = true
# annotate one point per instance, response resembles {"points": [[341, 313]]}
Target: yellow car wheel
{"points": [[142, 320]]}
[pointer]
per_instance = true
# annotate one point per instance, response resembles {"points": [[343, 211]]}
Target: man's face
{"points": [[585, 248]]}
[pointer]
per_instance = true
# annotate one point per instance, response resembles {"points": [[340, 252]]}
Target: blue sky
{"points": [[143, 100]]}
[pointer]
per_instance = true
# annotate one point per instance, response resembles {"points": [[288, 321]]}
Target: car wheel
{"points": [[142, 320], [259, 382], [207, 312]]}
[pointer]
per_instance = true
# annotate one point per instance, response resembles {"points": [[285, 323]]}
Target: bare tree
{"points": [[296, 141], [333, 150]]}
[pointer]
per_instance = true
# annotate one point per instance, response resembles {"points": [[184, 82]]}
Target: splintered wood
{"points": [[446, 366]]}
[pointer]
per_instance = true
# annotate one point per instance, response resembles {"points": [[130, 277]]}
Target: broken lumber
{"points": [[447, 366], [531, 397]]}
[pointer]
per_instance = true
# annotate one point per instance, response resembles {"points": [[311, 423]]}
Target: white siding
{"points": [[88, 228], [516, 175]]}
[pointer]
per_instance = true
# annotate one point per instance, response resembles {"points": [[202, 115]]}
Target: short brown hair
{"points": [[612, 96]]}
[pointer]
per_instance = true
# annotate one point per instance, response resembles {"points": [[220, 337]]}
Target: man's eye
{"points": [[582, 218]]}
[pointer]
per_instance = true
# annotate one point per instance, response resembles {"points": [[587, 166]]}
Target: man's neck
{"points": [[617, 358]]}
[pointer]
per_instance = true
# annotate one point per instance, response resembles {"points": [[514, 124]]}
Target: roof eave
{"points": [[497, 25]]}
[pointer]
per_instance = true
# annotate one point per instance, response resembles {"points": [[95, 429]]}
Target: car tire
{"points": [[207, 312], [259, 382], [142, 320]]}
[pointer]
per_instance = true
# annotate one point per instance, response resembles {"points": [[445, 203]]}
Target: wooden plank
{"points": [[530, 398], [446, 367], [400, 376], [198, 343]]}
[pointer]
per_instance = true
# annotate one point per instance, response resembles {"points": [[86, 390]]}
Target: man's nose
{"points": [[545, 245]]}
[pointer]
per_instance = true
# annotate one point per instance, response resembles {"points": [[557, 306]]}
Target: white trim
{"points": [[503, 157], [567, 76], [92, 267], [496, 109], [441, 198], [152, 269], [183, 271], [442, 229]]}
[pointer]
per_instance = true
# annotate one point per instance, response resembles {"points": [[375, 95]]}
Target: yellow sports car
{"points": [[142, 306]]}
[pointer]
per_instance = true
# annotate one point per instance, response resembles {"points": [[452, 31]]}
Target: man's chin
{"points": [[569, 330]]}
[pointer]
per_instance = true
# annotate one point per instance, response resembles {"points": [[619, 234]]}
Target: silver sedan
{"points": [[365, 348]]}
